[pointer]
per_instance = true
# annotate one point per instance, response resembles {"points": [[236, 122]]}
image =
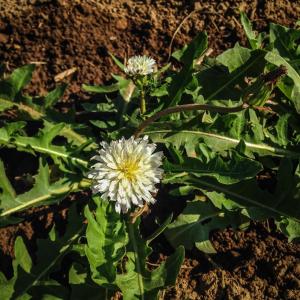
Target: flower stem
{"points": [[187, 107], [132, 237], [143, 102]]}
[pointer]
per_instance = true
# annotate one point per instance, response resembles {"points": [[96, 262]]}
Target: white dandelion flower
{"points": [[126, 172], [140, 65]]}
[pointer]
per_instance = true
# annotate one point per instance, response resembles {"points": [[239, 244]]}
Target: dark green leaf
{"points": [[236, 169], [293, 91], [21, 77], [234, 58], [117, 62], [218, 84], [218, 142], [24, 285], [181, 80], [42, 143], [22, 256], [55, 95], [284, 40], [43, 191], [249, 32], [101, 89], [247, 194]]}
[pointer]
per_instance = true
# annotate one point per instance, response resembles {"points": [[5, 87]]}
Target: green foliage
{"points": [[237, 169], [181, 80], [234, 58], [124, 86], [36, 108], [252, 139], [53, 96], [137, 282], [112, 243], [11, 87], [255, 40], [251, 201], [43, 192], [106, 241], [228, 85], [32, 280], [193, 225], [12, 135], [290, 89]]}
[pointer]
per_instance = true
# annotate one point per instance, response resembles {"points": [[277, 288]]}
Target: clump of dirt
{"points": [[253, 264], [63, 34]]}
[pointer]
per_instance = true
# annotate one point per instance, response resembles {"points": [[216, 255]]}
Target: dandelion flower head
{"points": [[140, 65], [126, 172]]}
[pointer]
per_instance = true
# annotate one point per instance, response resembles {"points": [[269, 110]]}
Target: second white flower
{"points": [[140, 65]]}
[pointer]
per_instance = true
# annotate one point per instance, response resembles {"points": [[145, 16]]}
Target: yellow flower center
{"points": [[128, 169]]}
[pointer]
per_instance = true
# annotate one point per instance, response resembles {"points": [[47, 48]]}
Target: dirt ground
{"points": [[62, 34], [253, 264]]}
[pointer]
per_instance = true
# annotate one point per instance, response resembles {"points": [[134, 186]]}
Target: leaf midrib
{"points": [[249, 200], [279, 151], [44, 150], [177, 168], [55, 192]]}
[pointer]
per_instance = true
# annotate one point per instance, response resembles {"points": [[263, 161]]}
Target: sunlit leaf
{"points": [[255, 39], [43, 191], [42, 143], [21, 77], [106, 241]]}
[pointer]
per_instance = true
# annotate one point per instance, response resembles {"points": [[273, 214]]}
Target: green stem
{"points": [[123, 112], [143, 102], [131, 233]]}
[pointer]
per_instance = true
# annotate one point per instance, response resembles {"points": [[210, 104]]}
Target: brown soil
{"points": [[61, 34], [253, 264]]}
